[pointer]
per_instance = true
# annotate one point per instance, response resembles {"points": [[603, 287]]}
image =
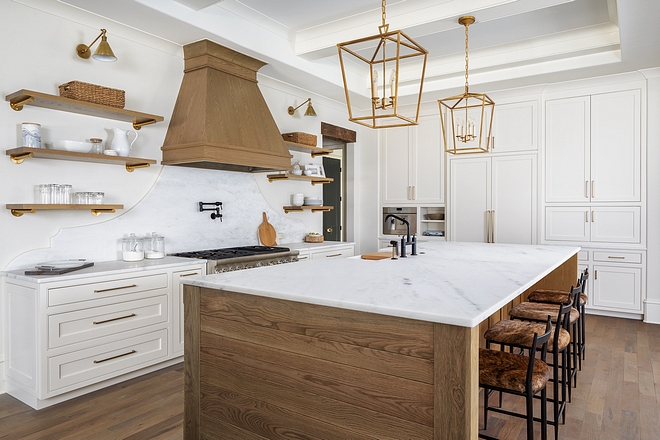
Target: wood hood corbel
{"points": [[220, 119]]}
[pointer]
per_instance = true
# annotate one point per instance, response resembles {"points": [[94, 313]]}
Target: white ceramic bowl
{"points": [[75, 146]]}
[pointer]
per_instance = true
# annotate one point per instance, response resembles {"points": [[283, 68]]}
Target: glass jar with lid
{"points": [[132, 248], [97, 145], [154, 246]]}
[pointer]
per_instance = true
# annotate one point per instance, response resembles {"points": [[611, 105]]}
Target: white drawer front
{"points": [[88, 324], [304, 256], [618, 257], [85, 292], [95, 364], [337, 253], [583, 255]]}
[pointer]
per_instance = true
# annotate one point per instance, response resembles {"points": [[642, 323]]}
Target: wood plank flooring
{"points": [[618, 397]]}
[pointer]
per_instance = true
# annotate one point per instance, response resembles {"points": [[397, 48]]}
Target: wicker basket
{"points": [[314, 238], [300, 138], [92, 93]]}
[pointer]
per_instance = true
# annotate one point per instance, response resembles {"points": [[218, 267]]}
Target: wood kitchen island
{"points": [[350, 348]]}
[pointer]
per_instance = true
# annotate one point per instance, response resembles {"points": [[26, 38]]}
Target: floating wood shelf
{"points": [[288, 209], [313, 179], [18, 209], [18, 155], [432, 221], [28, 97], [314, 151]]}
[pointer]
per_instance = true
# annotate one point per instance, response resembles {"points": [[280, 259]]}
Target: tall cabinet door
{"points": [[470, 199], [567, 140], [514, 199], [396, 165], [428, 185], [616, 147]]}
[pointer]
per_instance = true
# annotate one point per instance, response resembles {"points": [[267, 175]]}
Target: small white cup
{"points": [[110, 153]]}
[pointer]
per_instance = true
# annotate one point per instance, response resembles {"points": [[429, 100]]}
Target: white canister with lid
{"points": [[31, 134], [132, 248], [154, 246]]}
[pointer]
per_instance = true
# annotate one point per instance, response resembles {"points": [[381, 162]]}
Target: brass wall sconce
{"points": [[103, 52], [309, 112]]}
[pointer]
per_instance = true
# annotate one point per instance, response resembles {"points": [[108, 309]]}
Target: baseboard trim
{"points": [[652, 311], [613, 314], [3, 383]]}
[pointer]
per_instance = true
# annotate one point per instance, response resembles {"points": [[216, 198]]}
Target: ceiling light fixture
{"points": [[308, 112], [103, 52], [465, 110], [386, 72]]}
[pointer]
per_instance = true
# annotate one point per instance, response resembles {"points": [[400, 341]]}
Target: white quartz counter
{"points": [[103, 268], [451, 283]]}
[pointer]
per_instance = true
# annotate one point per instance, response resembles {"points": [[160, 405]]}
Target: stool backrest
{"points": [[539, 344], [584, 277]]}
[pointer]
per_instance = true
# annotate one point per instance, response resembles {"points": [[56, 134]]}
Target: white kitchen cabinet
{"points": [[493, 199], [71, 334], [177, 304], [325, 250], [603, 224], [515, 127], [412, 163], [593, 148]]}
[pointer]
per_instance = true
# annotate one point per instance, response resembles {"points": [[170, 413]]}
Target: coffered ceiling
{"points": [[513, 43]]}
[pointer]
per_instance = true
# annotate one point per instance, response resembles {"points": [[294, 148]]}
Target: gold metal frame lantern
{"points": [[463, 112], [385, 72]]}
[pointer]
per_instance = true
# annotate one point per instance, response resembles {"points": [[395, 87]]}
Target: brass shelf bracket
{"points": [[275, 177], [139, 125], [103, 211], [18, 105], [20, 212], [288, 210], [134, 166], [321, 209], [19, 158]]}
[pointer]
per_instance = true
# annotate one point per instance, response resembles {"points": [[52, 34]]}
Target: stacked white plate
{"points": [[313, 201]]}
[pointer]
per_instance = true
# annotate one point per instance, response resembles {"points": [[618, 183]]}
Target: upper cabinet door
{"points": [[616, 147], [515, 127], [428, 183], [396, 165], [567, 145], [470, 199]]}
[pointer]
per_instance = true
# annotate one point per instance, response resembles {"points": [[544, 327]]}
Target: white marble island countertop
{"points": [[449, 282]]}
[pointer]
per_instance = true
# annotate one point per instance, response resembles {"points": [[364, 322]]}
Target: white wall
{"points": [[38, 53]]}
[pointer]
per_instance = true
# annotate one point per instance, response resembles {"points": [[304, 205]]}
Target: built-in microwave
{"points": [[393, 226]]}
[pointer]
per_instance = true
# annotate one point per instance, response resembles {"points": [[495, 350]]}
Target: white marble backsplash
{"points": [[171, 209]]}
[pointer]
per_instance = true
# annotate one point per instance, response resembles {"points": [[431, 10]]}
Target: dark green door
{"points": [[332, 197]]}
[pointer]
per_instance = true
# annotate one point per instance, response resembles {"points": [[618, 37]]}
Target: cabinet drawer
{"points": [[618, 257], [84, 325], [583, 255], [302, 256], [85, 292], [337, 253], [84, 367]]}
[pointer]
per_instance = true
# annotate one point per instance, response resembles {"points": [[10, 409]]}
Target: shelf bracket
{"points": [[292, 209], [18, 104], [320, 209], [132, 167], [19, 158], [139, 125], [103, 211], [274, 177], [20, 212]]}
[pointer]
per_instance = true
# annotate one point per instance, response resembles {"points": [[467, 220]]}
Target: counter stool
{"points": [[520, 334], [561, 297], [520, 375], [529, 311]]}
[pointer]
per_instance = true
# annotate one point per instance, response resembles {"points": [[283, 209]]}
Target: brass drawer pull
{"points": [[115, 357], [114, 319], [615, 257], [333, 255], [115, 288], [303, 258], [188, 274]]}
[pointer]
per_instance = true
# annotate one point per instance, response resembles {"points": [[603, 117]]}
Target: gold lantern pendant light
{"points": [[470, 114], [385, 73]]}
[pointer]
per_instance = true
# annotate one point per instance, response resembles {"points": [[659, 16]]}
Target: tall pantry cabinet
{"points": [[595, 192]]}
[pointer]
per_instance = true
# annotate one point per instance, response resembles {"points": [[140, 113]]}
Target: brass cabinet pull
{"points": [[586, 216], [188, 274], [115, 288], [114, 319], [616, 257], [593, 216], [593, 193], [492, 226], [333, 255], [586, 189], [303, 258], [414, 195], [115, 357]]}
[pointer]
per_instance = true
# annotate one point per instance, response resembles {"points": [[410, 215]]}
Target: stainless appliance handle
{"points": [[488, 226]]}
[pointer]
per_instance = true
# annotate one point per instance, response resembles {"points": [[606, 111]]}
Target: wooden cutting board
{"points": [[377, 256], [267, 234]]}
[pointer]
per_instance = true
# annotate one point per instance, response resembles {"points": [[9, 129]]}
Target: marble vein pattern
{"points": [[171, 210], [452, 283]]}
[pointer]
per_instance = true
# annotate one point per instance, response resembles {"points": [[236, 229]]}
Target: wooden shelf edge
{"points": [[314, 151], [315, 180], [288, 209], [19, 154], [18, 209]]}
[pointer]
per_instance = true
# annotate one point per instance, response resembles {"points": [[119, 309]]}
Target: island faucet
{"points": [[405, 240]]}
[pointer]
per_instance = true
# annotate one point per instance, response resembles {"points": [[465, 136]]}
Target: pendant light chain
{"points": [[466, 59], [383, 10]]}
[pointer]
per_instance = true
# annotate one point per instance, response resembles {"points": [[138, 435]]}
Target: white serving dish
{"points": [[75, 146]]}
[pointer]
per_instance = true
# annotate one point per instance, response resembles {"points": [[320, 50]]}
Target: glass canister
{"points": [[42, 194], [154, 246], [132, 248], [66, 194], [97, 145]]}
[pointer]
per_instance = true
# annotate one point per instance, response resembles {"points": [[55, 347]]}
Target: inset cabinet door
{"points": [[514, 214], [617, 287], [567, 223], [515, 127], [595, 224], [428, 184], [396, 165], [470, 199]]}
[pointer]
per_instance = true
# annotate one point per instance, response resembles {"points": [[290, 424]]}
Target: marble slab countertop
{"points": [[449, 282], [104, 268], [326, 245]]}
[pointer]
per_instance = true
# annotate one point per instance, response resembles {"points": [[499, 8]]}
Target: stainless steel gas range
{"points": [[242, 257]]}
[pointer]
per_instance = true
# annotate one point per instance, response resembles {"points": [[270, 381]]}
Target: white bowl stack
{"points": [[313, 201]]}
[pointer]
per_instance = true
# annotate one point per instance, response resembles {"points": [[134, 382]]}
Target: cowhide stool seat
{"points": [[519, 375]]}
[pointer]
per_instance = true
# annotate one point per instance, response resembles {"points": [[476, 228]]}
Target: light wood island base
{"points": [[258, 367]]}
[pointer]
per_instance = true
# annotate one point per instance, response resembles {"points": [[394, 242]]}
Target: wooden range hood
{"points": [[220, 119]]}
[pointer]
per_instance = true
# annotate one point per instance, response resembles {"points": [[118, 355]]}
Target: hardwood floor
{"points": [[618, 397]]}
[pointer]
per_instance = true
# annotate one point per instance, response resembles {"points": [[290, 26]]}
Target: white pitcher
{"points": [[120, 141]]}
